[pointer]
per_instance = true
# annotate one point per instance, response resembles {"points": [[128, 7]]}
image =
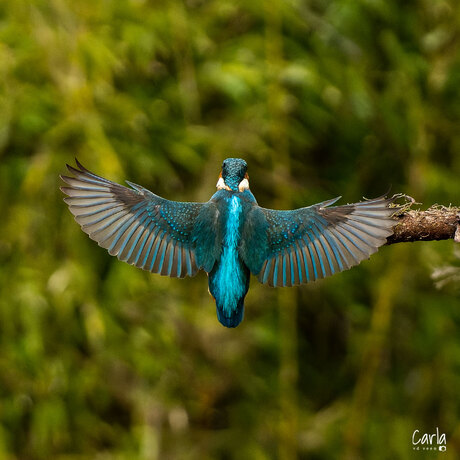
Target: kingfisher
{"points": [[229, 237]]}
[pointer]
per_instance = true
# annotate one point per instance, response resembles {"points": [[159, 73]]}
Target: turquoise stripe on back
{"points": [[228, 281]]}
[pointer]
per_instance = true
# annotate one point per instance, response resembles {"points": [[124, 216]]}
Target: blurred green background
{"points": [[322, 98]]}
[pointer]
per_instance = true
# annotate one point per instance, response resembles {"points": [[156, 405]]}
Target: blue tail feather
{"points": [[229, 284], [236, 316]]}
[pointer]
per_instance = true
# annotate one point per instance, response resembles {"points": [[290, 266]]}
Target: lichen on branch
{"points": [[436, 223]]}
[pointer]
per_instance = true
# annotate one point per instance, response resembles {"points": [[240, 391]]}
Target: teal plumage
{"points": [[228, 237], [229, 279]]}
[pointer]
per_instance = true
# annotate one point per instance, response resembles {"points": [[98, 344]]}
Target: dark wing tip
{"points": [[73, 170], [82, 168], [327, 203]]}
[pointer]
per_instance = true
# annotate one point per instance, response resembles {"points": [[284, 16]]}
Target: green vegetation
{"points": [[101, 360]]}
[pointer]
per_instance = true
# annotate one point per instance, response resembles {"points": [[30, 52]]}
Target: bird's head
{"points": [[233, 175]]}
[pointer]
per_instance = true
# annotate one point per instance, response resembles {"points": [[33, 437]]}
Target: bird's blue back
{"points": [[229, 278]]}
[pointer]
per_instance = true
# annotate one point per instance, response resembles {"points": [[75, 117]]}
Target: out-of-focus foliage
{"points": [[448, 275], [322, 98]]}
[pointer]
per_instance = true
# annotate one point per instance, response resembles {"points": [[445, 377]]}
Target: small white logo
{"points": [[429, 441]]}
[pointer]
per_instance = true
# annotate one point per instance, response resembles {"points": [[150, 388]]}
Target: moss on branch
{"points": [[436, 223]]}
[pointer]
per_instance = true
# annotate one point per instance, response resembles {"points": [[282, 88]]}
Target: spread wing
{"points": [[134, 224], [317, 241]]}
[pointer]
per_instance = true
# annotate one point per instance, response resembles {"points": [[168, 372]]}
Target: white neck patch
{"points": [[244, 185], [221, 185]]}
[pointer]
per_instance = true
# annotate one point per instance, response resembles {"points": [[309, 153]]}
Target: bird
{"points": [[230, 237]]}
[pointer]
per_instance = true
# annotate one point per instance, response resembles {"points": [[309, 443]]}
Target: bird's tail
{"points": [[235, 315]]}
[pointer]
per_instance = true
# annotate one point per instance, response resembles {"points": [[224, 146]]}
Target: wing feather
{"points": [[134, 224], [315, 242]]}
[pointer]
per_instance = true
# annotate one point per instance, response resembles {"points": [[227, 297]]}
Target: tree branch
{"points": [[436, 223]]}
